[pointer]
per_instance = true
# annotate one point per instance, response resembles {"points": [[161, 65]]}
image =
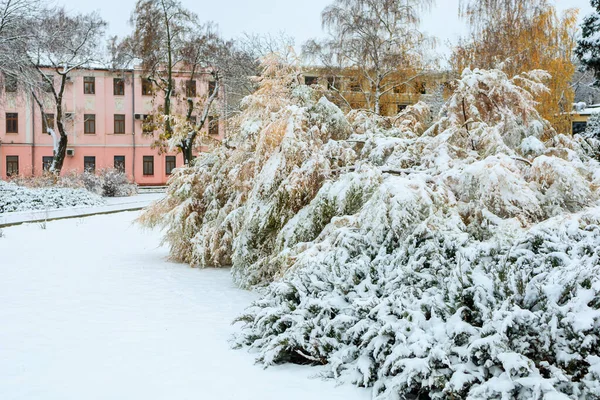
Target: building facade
{"points": [[350, 91], [104, 120]]}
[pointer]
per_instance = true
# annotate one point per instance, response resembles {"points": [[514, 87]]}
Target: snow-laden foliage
{"points": [[18, 198], [107, 182], [455, 261], [592, 130]]}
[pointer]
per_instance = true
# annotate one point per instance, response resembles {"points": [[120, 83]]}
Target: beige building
{"points": [[346, 89]]}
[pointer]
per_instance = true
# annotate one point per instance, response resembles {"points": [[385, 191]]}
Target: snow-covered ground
{"points": [[91, 309], [111, 204]]}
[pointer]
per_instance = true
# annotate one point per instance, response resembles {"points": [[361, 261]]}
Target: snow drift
{"points": [[458, 261]]}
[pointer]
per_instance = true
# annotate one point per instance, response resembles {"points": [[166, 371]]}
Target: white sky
{"points": [[299, 19]]}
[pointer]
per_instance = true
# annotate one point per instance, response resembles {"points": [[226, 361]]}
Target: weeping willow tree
{"points": [[523, 35]]}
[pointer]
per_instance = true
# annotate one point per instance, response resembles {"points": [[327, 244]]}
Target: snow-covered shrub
{"points": [[108, 182], [592, 129], [116, 184], [18, 198], [458, 261]]}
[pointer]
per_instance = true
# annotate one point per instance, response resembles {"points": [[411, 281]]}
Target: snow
{"points": [[96, 312], [111, 204], [409, 258], [18, 198]]}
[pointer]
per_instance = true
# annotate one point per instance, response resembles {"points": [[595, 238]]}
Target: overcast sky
{"points": [[299, 19]]}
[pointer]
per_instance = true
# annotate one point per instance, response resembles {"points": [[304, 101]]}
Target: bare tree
{"points": [[378, 40], [161, 28], [16, 34], [168, 39], [62, 43]]}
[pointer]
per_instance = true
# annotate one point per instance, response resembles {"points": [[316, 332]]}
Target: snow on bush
{"points": [[107, 182], [19, 198], [458, 261]]}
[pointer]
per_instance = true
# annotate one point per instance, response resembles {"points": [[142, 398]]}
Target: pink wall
{"points": [[30, 144]]}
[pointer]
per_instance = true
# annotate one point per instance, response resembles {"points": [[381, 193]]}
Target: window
{"points": [[401, 88], [10, 83], [355, 85], [169, 164], [12, 165], [89, 85], [49, 83], [190, 88], [211, 87], [333, 83], [146, 87], [120, 163], [148, 165], [401, 107], [46, 163], [311, 80], [119, 123], [89, 123], [578, 127], [421, 87], [118, 87], [12, 123], [47, 122], [213, 126], [148, 125], [89, 164]]}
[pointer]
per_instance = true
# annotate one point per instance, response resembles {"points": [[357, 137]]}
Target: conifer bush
{"points": [[458, 260]]}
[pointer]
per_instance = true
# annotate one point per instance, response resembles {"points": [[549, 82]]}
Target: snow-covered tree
{"points": [[588, 44], [62, 42], [378, 41], [592, 129], [458, 261]]}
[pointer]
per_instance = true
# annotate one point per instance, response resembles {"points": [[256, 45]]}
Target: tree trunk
{"points": [[378, 100], [59, 157]]}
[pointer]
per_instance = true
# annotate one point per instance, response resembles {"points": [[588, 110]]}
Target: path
{"points": [[90, 309]]}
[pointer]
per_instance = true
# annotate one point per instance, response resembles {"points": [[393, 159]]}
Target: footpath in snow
{"points": [[91, 309], [113, 204]]}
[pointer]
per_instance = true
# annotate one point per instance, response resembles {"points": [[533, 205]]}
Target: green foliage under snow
{"points": [[458, 261]]}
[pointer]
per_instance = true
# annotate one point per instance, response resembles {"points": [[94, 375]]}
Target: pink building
{"points": [[104, 127]]}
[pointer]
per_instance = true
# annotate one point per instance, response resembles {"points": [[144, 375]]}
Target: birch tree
{"points": [[379, 40], [523, 35], [62, 43]]}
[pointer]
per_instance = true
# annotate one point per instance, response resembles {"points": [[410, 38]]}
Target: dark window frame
{"points": [[212, 85], [49, 86], [118, 87], [578, 127], [190, 88], [12, 122], [119, 163], [213, 125], [46, 162], [12, 165], [89, 124], [170, 164], [148, 165], [89, 164], [47, 117], [89, 85], [147, 87], [10, 83], [311, 80], [119, 124]]}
